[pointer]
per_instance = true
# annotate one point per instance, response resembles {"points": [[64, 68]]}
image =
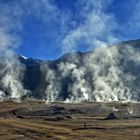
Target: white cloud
{"points": [[98, 26]]}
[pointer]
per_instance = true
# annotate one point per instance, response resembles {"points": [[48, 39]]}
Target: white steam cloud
{"points": [[11, 71], [52, 89], [78, 88], [13, 14], [104, 75], [96, 29], [105, 68]]}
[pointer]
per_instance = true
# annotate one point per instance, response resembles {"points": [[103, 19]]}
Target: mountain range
{"points": [[104, 74]]}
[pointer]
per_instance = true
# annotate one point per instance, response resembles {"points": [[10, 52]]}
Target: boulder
{"points": [[111, 116]]}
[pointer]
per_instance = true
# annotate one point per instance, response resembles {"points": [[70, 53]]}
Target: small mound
{"points": [[112, 116], [57, 108]]}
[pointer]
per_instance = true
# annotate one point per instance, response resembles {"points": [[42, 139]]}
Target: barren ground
{"points": [[34, 120]]}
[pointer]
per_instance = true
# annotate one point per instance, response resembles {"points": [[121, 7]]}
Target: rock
{"points": [[111, 116]]}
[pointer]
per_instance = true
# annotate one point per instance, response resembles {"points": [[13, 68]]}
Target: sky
{"points": [[47, 29]]}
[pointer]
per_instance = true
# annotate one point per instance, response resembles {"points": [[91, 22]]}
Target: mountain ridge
{"points": [[104, 74]]}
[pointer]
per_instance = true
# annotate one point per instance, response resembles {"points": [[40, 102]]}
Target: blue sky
{"points": [[46, 29]]}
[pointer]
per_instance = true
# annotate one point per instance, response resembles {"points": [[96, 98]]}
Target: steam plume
{"points": [[11, 72]]}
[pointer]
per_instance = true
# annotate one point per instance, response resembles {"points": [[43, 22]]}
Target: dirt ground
{"points": [[34, 120]]}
